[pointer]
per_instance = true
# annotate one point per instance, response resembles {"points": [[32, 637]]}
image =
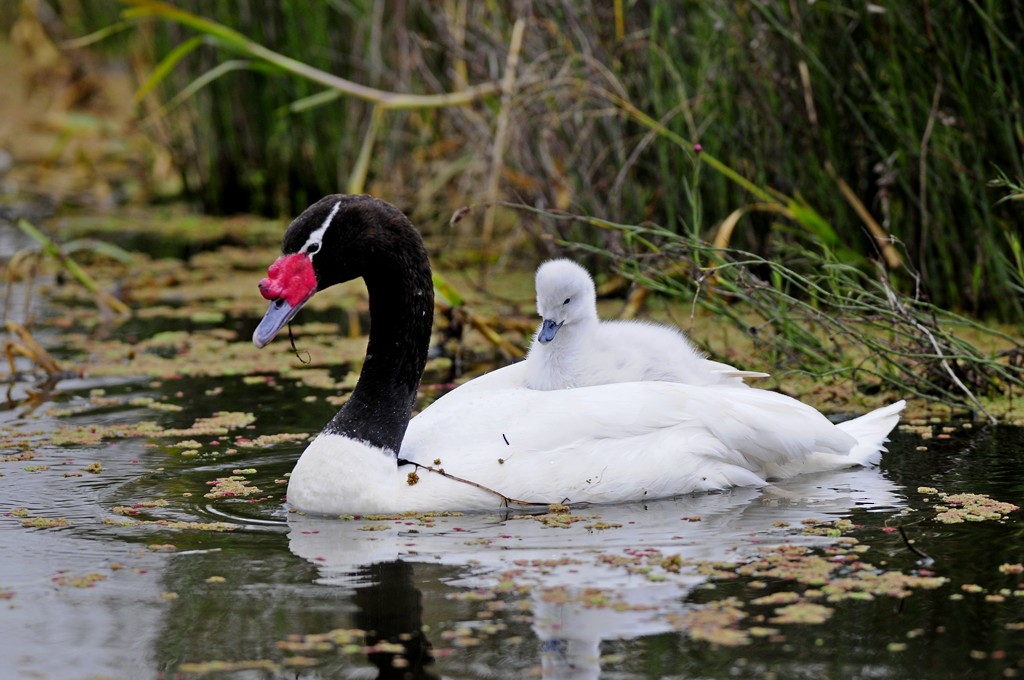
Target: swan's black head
{"points": [[337, 239]]}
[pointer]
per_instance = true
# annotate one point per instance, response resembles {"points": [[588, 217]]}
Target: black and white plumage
{"points": [[601, 444]]}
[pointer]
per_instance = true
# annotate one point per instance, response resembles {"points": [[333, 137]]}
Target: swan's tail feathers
{"points": [[871, 431]]}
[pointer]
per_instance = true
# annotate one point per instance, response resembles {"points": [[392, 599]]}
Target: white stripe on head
{"points": [[317, 236]]}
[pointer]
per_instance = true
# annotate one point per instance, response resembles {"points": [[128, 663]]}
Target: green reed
{"points": [[806, 310], [846, 127]]}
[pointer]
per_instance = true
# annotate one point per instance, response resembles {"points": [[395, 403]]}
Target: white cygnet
{"points": [[574, 348]]}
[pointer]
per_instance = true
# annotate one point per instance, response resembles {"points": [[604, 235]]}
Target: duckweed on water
{"points": [[716, 623], [234, 486], [601, 526], [831, 574], [558, 517], [151, 403], [782, 597], [44, 522], [85, 581], [92, 435], [217, 527], [219, 424], [266, 440], [137, 510], [30, 522], [126, 510], [19, 457], [207, 667], [970, 507], [802, 612]]}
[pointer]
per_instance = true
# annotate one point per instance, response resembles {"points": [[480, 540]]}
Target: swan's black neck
{"points": [[394, 264]]}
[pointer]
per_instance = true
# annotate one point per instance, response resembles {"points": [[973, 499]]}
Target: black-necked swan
{"points": [[493, 439], [574, 348]]}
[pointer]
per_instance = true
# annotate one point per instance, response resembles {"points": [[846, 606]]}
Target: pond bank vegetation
{"points": [[786, 183]]}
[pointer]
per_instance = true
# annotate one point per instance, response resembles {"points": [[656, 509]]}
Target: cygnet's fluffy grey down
{"points": [[574, 348]]}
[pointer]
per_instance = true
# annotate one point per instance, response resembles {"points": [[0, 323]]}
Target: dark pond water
{"points": [[146, 577]]}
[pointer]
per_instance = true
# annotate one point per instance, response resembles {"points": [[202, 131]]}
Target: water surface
{"points": [[114, 563], [493, 595]]}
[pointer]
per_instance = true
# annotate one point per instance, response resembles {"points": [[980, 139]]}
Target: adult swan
{"points": [[493, 441]]}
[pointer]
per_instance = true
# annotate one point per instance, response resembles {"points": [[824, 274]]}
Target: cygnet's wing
{"points": [[665, 353], [727, 371]]}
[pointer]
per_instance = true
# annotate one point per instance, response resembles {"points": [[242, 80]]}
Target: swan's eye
{"points": [[567, 301], [312, 248]]}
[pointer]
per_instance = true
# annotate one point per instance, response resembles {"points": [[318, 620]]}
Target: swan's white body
{"points": [[628, 441], [601, 444], [574, 348]]}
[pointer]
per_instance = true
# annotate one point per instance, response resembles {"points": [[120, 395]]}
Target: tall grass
{"points": [[913, 106], [808, 311], [819, 122], [239, 146]]}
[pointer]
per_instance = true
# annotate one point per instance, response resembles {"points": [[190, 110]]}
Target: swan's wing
{"points": [[478, 413], [648, 437]]}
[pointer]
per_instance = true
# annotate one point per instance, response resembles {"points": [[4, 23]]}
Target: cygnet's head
{"points": [[565, 296]]}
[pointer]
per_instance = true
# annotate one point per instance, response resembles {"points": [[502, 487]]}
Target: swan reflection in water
{"points": [[390, 569]]}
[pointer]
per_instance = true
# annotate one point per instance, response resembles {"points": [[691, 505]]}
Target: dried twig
{"points": [[897, 304], [914, 549], [506, 500], [26, 346], [103, 298]]}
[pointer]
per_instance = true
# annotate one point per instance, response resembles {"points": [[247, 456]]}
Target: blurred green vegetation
{"points": [[808, 312], [838, 115]]}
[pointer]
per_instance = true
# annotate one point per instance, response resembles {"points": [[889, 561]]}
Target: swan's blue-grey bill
{"points": [[278, 314], [548, 330]]}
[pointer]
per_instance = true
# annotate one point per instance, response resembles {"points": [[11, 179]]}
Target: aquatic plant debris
{"points": [[802, 612], [30, 522], [807, 581], [717, 623], [235, 486], [266, 440], [132, 511], [44, 522], [207, 667], [970, 507], [560, 516], [88, 580]]}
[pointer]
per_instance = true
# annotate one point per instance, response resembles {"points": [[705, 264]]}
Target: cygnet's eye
{"points": [[312, 248], [567, 301]]}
